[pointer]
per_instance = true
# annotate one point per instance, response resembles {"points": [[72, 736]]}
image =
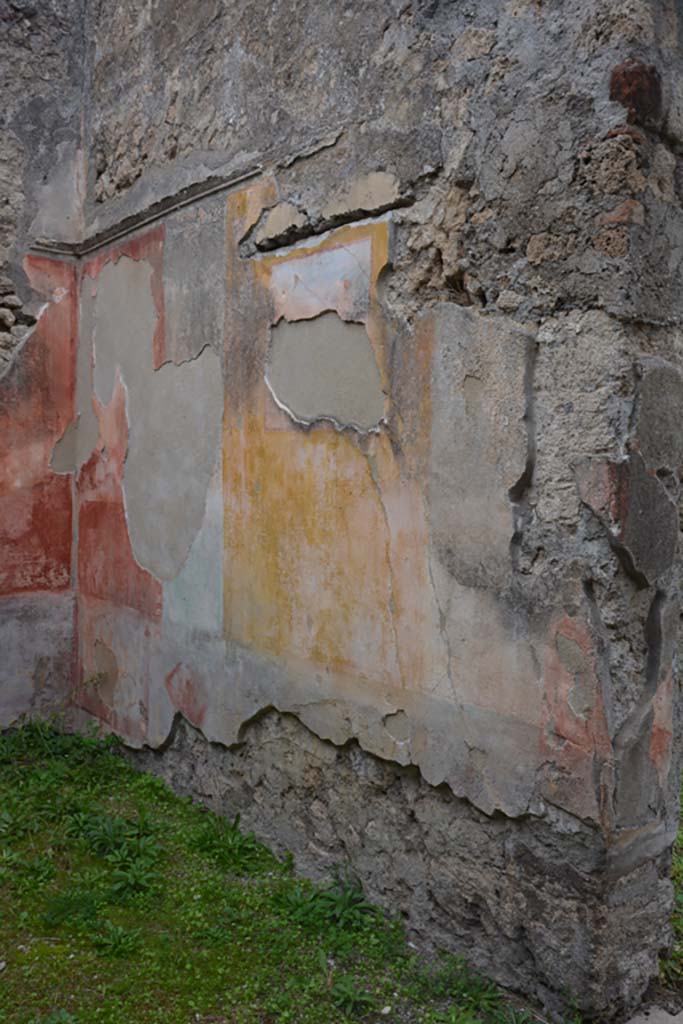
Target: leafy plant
{"points": [[138, 848], [12, 826], [232, 849], [345, 906], [341, 905], [132, 878], [105, 834], [113, 940], [510, 1015], [457, 1016], [36, 872], [450, 978], [348, 997]]}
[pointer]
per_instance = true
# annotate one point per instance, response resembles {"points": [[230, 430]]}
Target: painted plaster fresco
{"points": [[309, 506], [297, 500], [142, 490], [36, 503], [370, 564], [345, 558]]}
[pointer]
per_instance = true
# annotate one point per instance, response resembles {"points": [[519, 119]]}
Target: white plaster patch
{"points": [[320, 280]]}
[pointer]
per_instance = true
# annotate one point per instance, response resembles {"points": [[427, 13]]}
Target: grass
{"points": [[121, 903], [672, 966]]}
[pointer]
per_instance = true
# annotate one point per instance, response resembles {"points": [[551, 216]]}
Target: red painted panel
{"points": [[106, 565], [35, 537], [36, 406], [37, 395]]}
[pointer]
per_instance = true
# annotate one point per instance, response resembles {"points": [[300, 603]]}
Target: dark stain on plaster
{"points": [[638, 87], [602, 651], [634, 507], [637, 790], [519, 493], [107, 671], [654, 638]]}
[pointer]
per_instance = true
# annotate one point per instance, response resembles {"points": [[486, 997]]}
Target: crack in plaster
{"points": [[308, 424], [312, 228]]}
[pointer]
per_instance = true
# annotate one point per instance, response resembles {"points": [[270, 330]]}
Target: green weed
{"points": [[230, 848], [348, 997], [115, 941]]}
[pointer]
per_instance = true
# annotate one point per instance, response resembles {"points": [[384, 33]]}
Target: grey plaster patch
{"points": [[195, 596], [480, 443], [174, 445], [325, 369], [124, 320], [75, 446], [659, 415], [64, 453], [194, 280], [37, 662], [59, 201], [174, 417]]}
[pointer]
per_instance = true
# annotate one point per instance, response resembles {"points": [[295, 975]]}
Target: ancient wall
{"points": [[341, 469], [41, 84]]}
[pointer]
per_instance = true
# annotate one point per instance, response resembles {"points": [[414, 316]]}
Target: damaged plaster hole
{"points": [[325, 369]]}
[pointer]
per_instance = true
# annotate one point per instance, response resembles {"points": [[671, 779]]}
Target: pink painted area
{"points": [[575, 745], [107, 568], [36, 406], [187, 693], [661, 737], [35, 537], [119, 695], [324, 276]]}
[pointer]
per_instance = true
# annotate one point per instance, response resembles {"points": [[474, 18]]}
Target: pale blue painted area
{"points": [[195, 597]]}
